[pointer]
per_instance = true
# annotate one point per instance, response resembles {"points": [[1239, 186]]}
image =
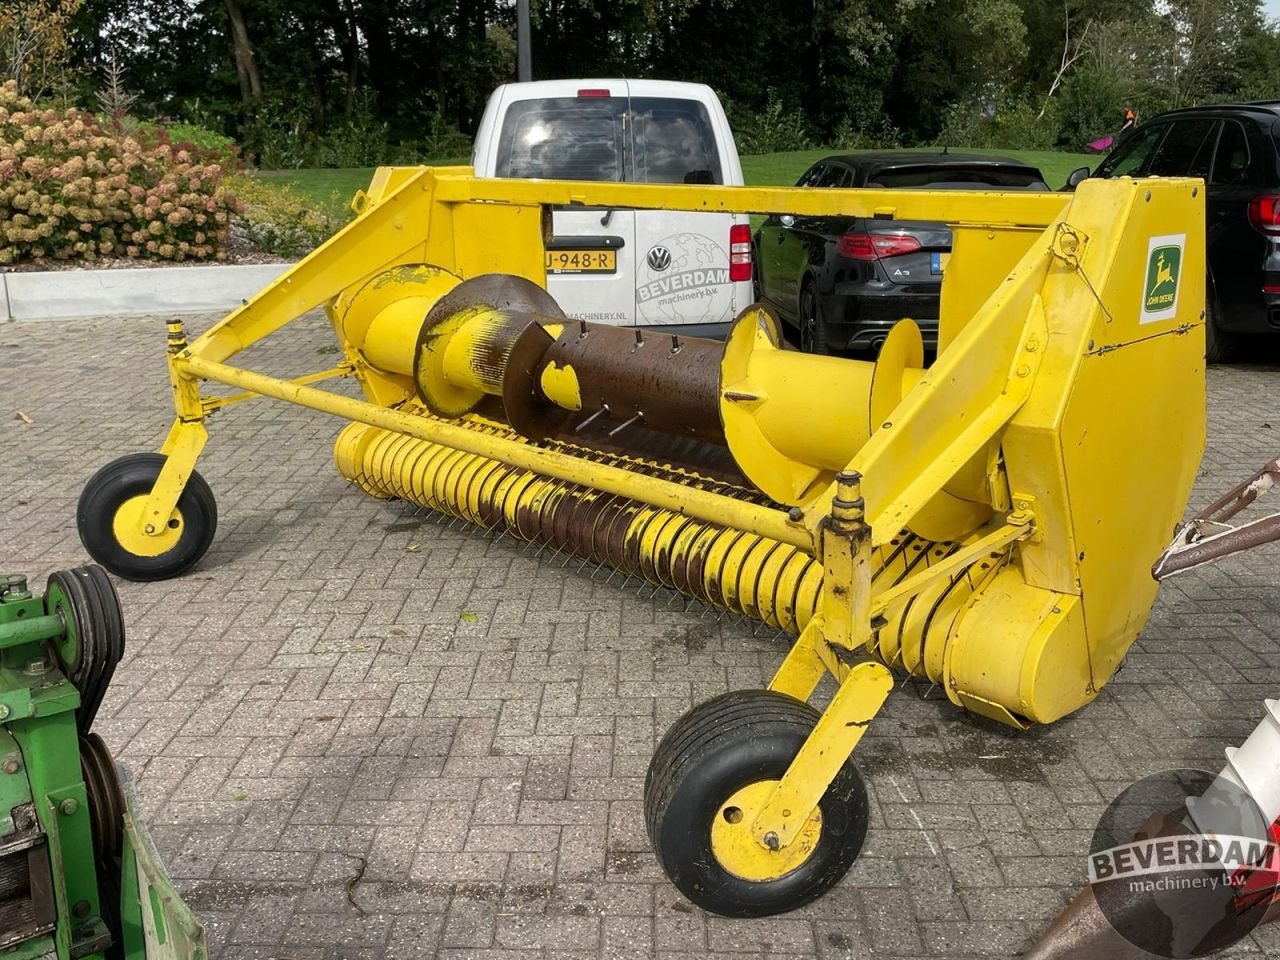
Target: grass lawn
{"points": [[333, 189]]}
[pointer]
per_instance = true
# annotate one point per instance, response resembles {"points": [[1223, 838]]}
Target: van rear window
{"points": [[674, 142], [659, 140], [563, 138]]}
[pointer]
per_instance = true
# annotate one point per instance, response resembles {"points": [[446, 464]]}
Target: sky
{"points": [[1272, 8]]}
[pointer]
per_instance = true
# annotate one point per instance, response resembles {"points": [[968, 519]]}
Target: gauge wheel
{"points": [[109, 517], [813, 330], [713, 771]]}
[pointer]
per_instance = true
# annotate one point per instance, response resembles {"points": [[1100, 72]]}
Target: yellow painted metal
{"points": [[560, 386], [130, 524], [1019, 527], [1018, 211], [783, 818], [383, 317], [986, 523], [210, 404], [766, 391], [447, 380], [181, 449], [703, 504], [741, 854], [1049, 399]]}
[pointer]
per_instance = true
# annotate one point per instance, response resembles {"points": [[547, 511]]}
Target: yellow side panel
{"points": [[981, 259], [1132, 440], [498, 238]]}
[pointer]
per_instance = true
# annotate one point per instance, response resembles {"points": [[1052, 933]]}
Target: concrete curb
{"points": [[65, 294]]}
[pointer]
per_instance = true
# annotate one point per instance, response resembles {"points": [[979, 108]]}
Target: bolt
{"points": [[68, 806], [1024, 371], [149, 529], [1033, 346], [11, 764], [81, 909], [4, 711], [771, 841], [795, 514]]}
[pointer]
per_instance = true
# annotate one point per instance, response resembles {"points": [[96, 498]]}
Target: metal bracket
{"points": [[841, 726]]}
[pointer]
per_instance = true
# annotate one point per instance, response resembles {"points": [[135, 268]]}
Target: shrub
{"points": [[773, 129], [69, 189], [275, 219], [191, 136], [1014, 125], [283, 135]]}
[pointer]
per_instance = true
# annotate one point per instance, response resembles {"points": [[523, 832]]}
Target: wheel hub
{"points": [[128, 530], [741, 854]]}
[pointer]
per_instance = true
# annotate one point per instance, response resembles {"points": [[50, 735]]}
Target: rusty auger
{"points": [[982, 522], [1208, 536]]}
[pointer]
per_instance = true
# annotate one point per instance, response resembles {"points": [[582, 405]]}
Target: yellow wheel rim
{"points": [[740, 853], [126, 526]]}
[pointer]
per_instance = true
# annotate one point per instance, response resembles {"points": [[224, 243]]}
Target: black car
{"points": [[1236, 149], [842, 282]]}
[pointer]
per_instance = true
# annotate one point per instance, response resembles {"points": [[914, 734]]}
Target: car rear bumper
{"points": [[860, 319], [1261, 316]]}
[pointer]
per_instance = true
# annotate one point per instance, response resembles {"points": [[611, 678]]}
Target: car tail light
{"points": [[1264, 214], [593, 92], [739, 252], [863, 246]]}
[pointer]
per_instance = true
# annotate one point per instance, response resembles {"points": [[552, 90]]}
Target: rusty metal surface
{"points": [[668, 383], [1208, 536], [520, 299]]}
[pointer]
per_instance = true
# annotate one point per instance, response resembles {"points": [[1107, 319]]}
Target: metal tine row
{"points": [[498, 530]]}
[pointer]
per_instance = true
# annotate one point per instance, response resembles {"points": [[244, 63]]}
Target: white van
{"points": [[687, 272]]}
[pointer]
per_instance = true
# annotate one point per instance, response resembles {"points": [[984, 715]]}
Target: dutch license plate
{"points": [[582, 261], [938, 262]]}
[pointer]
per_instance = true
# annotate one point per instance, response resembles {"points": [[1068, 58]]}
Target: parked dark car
{"points": [[1236, 149], [840, 283]]}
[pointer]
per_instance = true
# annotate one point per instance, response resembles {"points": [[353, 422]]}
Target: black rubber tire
{"points": [[90, 607], [128, 477], [813, 329], [713, 751], [1220, 345]]}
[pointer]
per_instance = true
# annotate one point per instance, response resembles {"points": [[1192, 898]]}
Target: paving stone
{"points": [[337, 763]]}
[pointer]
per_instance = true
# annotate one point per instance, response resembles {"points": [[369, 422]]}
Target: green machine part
{"points": [[79, 877]]}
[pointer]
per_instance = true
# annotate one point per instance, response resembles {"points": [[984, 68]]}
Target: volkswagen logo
{"points": [[659, 258]]}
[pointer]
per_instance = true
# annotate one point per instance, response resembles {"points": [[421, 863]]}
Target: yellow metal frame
{"points": [[999, 479]]}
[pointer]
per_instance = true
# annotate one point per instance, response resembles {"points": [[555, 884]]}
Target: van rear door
{"points": [[582, 135], [682, 276]]}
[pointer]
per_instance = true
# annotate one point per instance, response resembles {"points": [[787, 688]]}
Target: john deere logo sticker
{"points": [[1164, 273]]}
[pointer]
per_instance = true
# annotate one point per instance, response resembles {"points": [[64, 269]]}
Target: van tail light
{"points": [[739, 252], [868, 247], [1264, 214]]}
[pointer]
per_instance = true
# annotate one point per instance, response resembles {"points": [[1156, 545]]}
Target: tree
{"points": [[1073, 50], [34, 49], [246, 63]]}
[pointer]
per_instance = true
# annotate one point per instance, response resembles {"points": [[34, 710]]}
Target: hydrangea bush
{"points": [[70, 189]]}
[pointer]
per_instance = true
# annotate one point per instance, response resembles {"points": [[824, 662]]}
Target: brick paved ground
{"points": [[362, 735]]}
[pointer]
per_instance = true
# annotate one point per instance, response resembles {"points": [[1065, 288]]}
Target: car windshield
{"points": [[648, 140], [953, 177]]}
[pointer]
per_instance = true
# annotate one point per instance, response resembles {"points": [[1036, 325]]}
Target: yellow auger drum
{"points": [[987, 522]]}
